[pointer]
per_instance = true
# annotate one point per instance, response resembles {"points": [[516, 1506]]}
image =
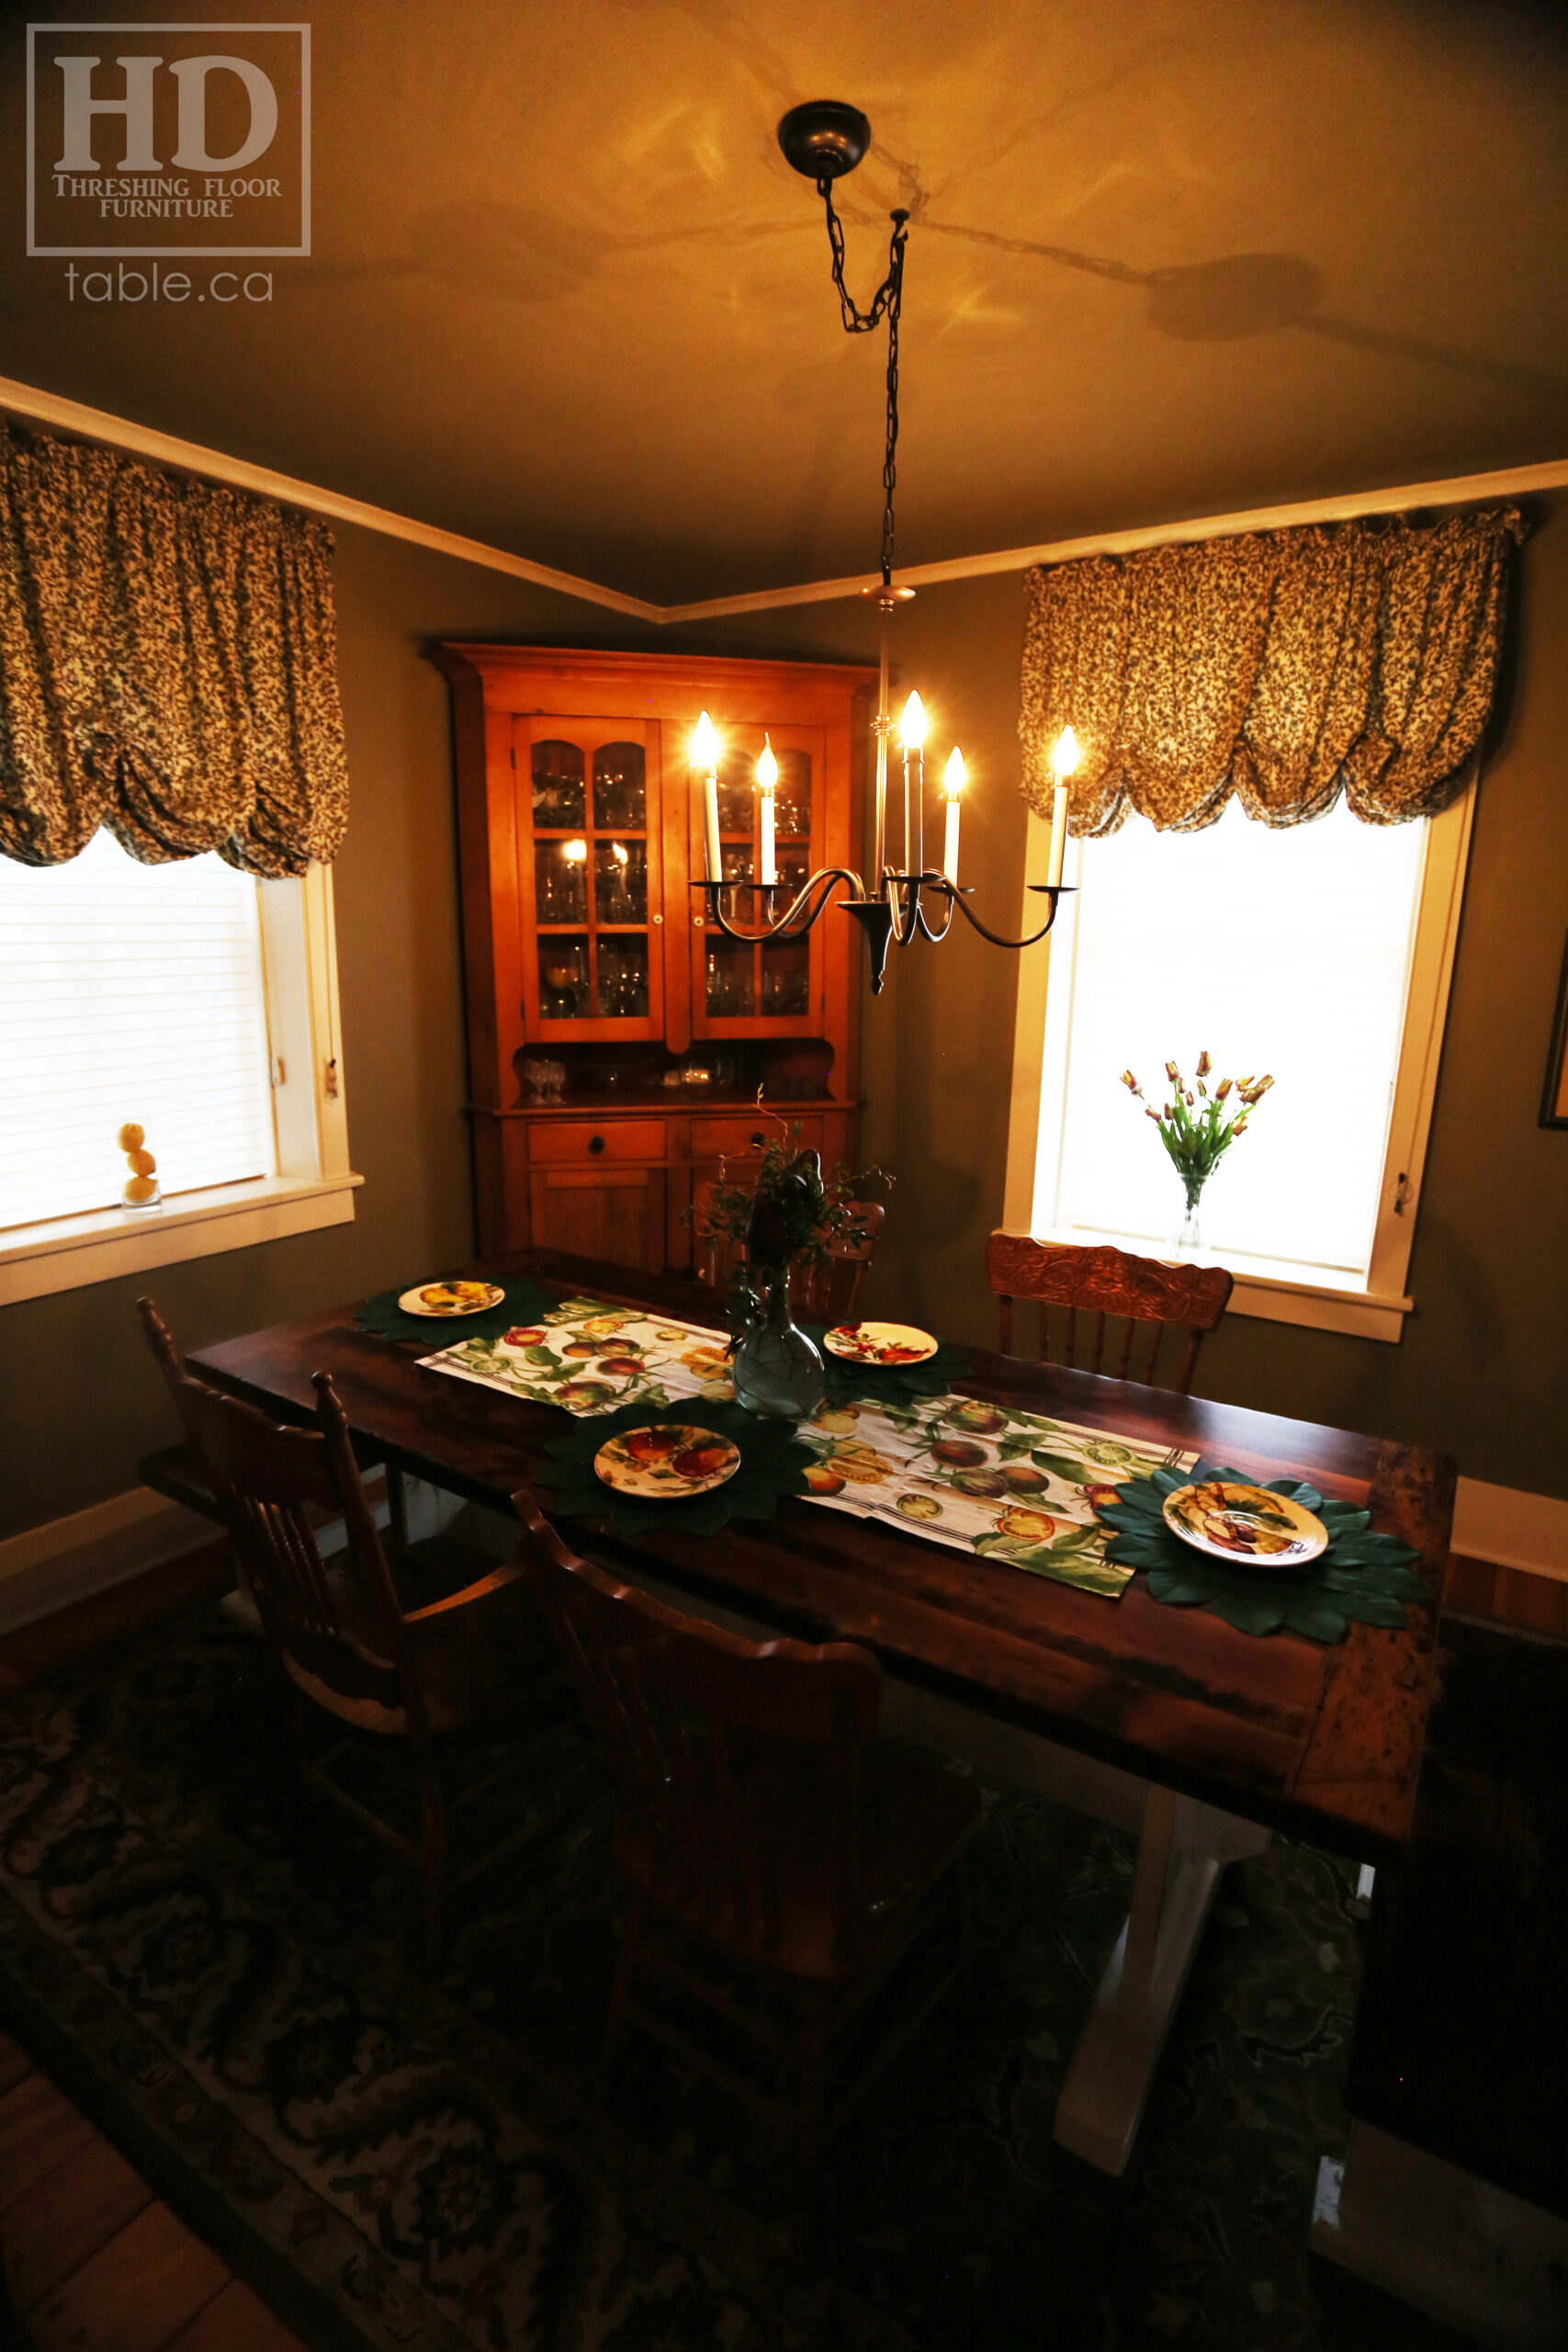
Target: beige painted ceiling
{"points": [[1167, 257]]}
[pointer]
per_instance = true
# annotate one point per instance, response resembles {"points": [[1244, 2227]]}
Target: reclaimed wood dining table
{"points": [[1167, 1721]]}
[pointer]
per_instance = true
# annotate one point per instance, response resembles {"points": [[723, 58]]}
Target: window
{"points": [[189, 997], [129, 991], [1320, 953]]}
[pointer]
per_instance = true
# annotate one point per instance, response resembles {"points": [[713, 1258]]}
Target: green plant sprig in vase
{"points": [[1196, 1139]]}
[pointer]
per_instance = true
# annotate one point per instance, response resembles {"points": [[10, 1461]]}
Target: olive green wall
{"points": [[82, 1399], [1481, 1368]]}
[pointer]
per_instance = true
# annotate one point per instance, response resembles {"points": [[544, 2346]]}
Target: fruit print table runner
{"points": [[1020, 1487], [590, 1357]]}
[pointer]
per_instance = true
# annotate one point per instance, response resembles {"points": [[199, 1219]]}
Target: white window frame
{"points": [[1377, 1309], [314, 1185]]}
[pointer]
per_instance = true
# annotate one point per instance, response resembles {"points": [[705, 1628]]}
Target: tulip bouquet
{"points": [[1197, 1138]]}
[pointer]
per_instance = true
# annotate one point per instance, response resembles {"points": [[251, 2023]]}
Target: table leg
{"points": [[1184, 1847]]}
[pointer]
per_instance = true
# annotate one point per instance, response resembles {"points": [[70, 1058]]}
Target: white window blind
{"points": [[127, 992], [1286, 952]]}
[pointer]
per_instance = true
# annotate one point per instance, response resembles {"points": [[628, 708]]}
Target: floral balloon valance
{"points": [[168, 666], [1285, 667]]}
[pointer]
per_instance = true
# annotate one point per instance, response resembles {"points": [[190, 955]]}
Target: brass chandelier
{"points": [[824, 140]]}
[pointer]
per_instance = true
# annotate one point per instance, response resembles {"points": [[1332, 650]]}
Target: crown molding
{"points": [[191, 456]]}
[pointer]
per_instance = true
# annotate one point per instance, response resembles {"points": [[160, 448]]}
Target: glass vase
{"points": [[1188, 1238], [777, 1369]]}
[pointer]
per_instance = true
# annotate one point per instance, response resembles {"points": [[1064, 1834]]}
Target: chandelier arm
{"points": [[1054, 891], [819, 885], [939, 883]]}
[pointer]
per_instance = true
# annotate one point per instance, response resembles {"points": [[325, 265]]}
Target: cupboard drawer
{"points": [[711, 1138], [555, 1141]]}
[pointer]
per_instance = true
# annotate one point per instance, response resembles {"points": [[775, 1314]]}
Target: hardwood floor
{"points": [[94, 2262]]}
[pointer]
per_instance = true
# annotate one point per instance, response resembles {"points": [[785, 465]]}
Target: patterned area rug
{"points": [[403, 2167]]}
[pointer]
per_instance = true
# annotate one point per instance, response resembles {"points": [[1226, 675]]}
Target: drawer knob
{"points": [[759, 1139], [595, 1144]]}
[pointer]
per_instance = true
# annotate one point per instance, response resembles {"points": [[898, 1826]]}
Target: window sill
{"points": [[1311, 1299], [62, 1255]]}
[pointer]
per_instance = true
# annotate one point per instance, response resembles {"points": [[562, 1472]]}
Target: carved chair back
{"points": [[347, 1629], [1080, 1287], [829, 1293], [738, 1763]]}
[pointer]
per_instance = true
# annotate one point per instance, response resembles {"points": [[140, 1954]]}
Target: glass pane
{"points": [[623, 976], [563, 980], [793, 793], [560, 881], [620, 881], [737, 793], [620, 790], [557, 785], [786, 977], [729, 989], [1305, 976]]}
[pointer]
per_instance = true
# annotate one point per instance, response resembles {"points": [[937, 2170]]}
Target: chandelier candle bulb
{"points": [[1064, 760], [705, 755], [953, 783], [767, 777], [912, 735]]}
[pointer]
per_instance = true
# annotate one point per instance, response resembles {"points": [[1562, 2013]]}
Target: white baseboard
{"points": [[1511, 1529], [48, 1568]]}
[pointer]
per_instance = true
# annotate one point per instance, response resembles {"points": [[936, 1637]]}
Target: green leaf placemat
{"points": [[525, 1302], [773, 1461], [851, 1383], [1363, 1576]]}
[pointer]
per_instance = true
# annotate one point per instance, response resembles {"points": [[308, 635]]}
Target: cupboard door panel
{"points": [[589, 878], [616, 1215]]}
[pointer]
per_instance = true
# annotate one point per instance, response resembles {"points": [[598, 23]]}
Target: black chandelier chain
{"points": [[888, 302]]}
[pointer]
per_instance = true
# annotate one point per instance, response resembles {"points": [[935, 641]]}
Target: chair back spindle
{"points": [[344, 1629], [1102, 1285]]}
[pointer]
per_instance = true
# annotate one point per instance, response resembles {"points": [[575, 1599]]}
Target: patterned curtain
{"points": [[168, 666], [1285, 667]]}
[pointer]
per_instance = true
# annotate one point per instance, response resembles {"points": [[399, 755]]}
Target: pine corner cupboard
{"points": [[580, 832]]}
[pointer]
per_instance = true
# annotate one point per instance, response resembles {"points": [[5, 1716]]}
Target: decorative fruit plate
{"points": [[451, 1298], [1245, 1525], [670, 1460], [880, 1343]]}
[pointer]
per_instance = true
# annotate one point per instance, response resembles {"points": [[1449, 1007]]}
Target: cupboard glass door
{"points": [[775, 989], [589, 878]]}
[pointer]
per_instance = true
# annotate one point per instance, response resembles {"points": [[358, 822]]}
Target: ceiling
{"points": [[1167, 257]]}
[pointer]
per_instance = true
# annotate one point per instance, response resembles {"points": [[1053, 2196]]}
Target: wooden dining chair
{"points": [[1108, 1284], [763, 1831], [828, 1293], [413, 1686]]}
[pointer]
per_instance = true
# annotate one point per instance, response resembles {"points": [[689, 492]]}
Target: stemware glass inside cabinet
{"points": [[560, 881], [620, 788], [557, 782], [792, 796], [563, 979], [623, 976], [620, 881]]}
